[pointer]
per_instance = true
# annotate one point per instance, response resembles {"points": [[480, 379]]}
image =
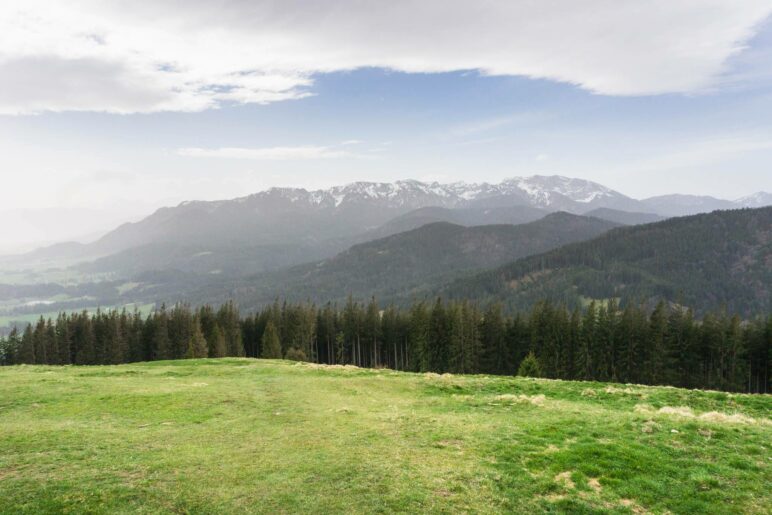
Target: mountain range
{"points": [[285, 226], [393, 240]]}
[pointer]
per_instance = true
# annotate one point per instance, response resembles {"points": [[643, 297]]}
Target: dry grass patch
{"points": [[536, 400], [595, 485], [613, 390], [564, 478], [633, 506], [715, 417]]}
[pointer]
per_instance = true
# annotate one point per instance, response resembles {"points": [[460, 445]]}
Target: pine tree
{"points": [[40, 342], [585, 367], [438, 342], [493, 347], [12, 345], [656, 349], [530, 366], [418, 338], [160, 343], [371, 332], [470, 359], [27, 347], [270, 343], [83, 340], [198, 346], [217, 345], [64, 339], [228, 318]]}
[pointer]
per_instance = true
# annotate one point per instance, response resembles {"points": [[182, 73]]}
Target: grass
{"points": [[245, 436]]}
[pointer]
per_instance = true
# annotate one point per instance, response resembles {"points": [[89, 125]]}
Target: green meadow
{"points": [[247, 436]]}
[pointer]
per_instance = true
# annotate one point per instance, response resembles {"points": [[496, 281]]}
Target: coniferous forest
{"points": [[660, 346]]}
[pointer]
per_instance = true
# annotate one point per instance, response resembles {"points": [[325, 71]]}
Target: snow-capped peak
{"points": [[758, 199], [555, 192], [541, 188]]}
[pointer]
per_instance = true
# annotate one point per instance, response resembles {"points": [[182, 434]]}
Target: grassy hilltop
{"points": [[241, 435]]}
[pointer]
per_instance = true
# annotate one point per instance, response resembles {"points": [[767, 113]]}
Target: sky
{"points": [[111, 109]]}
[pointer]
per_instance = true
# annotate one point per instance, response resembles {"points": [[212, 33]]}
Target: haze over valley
{"points": [[309, 245]]}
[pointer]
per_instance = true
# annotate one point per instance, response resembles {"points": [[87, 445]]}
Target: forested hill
{"points": [[707, 261], [410, 264]]}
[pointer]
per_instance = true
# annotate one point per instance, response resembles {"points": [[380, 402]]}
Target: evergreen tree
{"points": [[11, 348], [270, 343], [27, 347], [438, 341], [530, 366], [198, 347], [656, 350], [217, 346], [493, 347], [419, 338], [161, 344]]}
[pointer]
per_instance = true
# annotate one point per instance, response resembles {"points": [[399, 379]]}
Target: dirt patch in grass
{"points": [[633, 506], [564, 478]]}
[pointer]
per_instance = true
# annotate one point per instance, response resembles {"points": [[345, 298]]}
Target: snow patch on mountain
{"points": [[537, 191]]}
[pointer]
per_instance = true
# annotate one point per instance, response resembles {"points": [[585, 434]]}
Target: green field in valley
{"points": [[245, 436]]}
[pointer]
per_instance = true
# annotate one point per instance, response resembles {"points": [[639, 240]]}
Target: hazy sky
{"points": [[109, 109]]}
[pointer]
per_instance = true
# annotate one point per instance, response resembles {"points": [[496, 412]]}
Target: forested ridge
{"points": [[401, 267], [665, 345], [706, 261]]}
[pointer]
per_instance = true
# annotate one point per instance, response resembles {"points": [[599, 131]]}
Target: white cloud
{"points": [[175, 55], [267, 153], [688, 154]]}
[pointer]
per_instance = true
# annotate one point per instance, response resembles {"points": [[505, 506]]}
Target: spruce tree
{"points": [[530, 366], [198, 345], [217, 345], [27, 347], [271, 346], [160, 343]]}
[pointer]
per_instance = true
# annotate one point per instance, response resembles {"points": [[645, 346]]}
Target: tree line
{"points": [[665, 345]]}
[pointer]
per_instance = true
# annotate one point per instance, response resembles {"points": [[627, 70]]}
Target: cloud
{"points": [[705, 152], [474, 127], [191, 55], [266, 153]]}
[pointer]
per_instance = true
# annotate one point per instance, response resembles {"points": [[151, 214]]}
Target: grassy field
{"points": [[240, 435]]}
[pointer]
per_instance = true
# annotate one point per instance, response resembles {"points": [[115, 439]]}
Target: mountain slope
{"points": [[624, 217], [684, 205], [512, 215], [704, 261], [410, 263]]}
